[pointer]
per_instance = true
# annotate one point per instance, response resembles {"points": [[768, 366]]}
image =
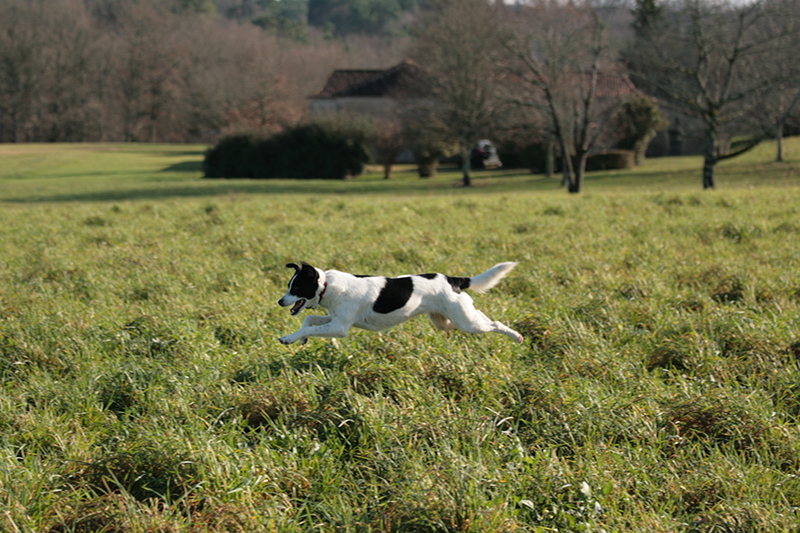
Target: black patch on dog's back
{"points": [[458, 284], [394, 295], [428, 276]]}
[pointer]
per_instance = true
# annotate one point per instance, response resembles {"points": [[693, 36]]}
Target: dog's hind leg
{"points": [[441, 322], [468, 319], [499, 327]]}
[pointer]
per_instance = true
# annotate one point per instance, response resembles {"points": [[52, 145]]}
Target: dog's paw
{"points": [[285, 340], [520, 339]]}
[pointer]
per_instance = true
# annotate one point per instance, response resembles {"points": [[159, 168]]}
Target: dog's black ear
{"points": [[294, 266], [308, 271]]}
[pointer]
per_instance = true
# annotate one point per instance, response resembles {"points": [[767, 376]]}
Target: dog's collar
{"points": [[324, 288]]}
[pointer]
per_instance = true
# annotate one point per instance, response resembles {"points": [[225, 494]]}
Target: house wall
{"points": [[378, 107], [375, 106]]}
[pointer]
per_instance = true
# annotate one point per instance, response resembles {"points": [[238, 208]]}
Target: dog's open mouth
{"points": [[298, 306]]}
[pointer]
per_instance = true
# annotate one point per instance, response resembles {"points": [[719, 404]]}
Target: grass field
{"points": [[142, 387]]}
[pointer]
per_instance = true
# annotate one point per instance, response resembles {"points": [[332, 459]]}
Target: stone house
{"points": [[384, 94]]}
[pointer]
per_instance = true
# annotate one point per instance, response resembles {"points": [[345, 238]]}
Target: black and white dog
{"points": [[376, 302]]}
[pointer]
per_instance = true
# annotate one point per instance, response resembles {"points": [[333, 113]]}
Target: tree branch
{"points": [[750, 145]]}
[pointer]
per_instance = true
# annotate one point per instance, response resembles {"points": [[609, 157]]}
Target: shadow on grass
{"points": [[184, 153], [185, 166], [184, 184], [201, 188]]}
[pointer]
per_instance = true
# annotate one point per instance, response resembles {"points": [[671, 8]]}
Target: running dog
{"points": [[376, 303]]}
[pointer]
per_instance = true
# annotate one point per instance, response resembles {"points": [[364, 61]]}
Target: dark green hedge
{"points": [[611, 160], [309, 151]]}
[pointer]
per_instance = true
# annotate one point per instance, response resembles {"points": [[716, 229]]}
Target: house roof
{"points": [[406, 80]]}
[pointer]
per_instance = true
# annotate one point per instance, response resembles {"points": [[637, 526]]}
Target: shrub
{"points": [[315, 151], [639, 122], [429, 142], [323, 150], [231, 157], [516, 153], [611, 160]]}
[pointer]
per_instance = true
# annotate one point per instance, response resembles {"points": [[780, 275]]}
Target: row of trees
{"points": [[730, 67], [297, 18], [551, 72], [157, 71]]}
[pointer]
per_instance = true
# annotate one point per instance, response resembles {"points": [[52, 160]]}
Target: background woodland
{"points": [[720, 76]]}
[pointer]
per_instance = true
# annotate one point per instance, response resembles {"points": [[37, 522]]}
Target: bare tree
{"points": [[707, 59], [459, 48], [21, 57], [156, 70], [562, 68], [784, 104], [781, 66], [67, 109], [147, 59], [388, 141]]}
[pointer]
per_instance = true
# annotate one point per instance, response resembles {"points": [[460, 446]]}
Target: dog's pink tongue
{"points": [[296, 308]]}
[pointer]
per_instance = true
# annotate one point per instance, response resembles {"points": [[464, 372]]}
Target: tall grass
{"points": [[142, 387]]}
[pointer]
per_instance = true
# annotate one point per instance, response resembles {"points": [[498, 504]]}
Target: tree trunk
{"points": [[566, 164], [579, 170], [465, 170], [709, 166], [710, 160], [779, 137], [387, 170], [640, 146]]}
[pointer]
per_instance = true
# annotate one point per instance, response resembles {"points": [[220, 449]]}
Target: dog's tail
{"points": [[490, 278]]}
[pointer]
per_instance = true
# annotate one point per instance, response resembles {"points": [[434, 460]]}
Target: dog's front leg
{"points": [[317, 326], [310, 320]]}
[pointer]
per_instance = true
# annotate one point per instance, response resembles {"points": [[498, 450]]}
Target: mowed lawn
{"points": [[142, 386]]}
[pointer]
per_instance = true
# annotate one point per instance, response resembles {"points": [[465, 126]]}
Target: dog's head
{"points": [[304, 288]]}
